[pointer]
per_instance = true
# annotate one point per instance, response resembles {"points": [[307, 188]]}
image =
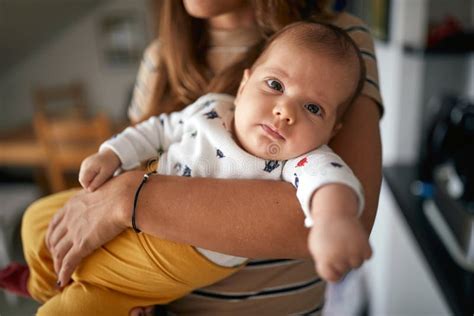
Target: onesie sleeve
{"points": [[152, 137], [317, 168]]}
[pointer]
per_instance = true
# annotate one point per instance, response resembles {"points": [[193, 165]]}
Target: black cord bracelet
{"points": [[135, 201]]}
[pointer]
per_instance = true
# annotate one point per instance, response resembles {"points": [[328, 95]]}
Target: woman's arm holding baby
{"points": [[251, 218]]}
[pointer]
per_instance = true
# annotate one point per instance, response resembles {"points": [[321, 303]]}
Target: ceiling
{"points": [[27, 24]]}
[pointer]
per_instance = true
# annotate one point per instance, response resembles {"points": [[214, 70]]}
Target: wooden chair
{"points": [[67, 141], [62, 100]]}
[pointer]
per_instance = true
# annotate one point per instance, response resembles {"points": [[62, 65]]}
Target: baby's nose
{"points": [[285, 112]]}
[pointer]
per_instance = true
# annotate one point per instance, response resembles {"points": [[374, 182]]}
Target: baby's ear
{"points": [[337, 127], [245, 77]]}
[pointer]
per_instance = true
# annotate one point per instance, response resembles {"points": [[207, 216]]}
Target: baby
{"points": [[290, 103]]}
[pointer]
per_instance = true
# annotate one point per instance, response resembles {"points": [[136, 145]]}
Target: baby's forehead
{"points": [[318, 38], [287, 50], [283, 50], [298, 38]]}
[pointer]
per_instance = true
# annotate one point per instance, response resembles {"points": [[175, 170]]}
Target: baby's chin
{"points": [[270, 152]]}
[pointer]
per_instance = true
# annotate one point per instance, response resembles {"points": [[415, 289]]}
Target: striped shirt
{"points": [[263, 287]]}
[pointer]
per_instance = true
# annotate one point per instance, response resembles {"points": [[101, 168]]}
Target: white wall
{"points": [[401, 80], [73, 55], [409, 80]]}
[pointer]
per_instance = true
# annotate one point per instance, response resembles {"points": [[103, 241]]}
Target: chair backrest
{"points": [[67, 141], [61, 101]]}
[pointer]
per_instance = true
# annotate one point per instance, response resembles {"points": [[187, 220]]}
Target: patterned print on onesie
{"points": [[211, 114], [219, 153], [270, 165]]}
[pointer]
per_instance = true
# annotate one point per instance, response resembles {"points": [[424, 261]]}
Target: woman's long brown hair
{"points": [[183, 74]]}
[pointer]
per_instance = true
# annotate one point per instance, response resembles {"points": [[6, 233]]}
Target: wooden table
{"points": [[19, 148]]}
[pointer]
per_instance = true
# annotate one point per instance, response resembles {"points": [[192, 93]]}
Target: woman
{"points": [[204, 46]]}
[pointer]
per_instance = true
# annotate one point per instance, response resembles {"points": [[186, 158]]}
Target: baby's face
{"points": [[286, 106]]}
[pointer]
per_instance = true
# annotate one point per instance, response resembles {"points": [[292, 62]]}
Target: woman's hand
{"points": [[88, 221]]}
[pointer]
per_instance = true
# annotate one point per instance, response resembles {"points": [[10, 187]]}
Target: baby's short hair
{"points": [[329, 40]]}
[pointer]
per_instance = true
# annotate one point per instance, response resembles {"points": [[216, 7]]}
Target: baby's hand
{"points": [[98, 168], [338, 243]]}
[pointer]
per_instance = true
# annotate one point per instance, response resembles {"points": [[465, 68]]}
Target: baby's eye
{"points": [[313, 109], [274, 84]]}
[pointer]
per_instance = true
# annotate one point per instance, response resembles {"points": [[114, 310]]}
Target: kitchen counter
{"points": [[456, 283]]}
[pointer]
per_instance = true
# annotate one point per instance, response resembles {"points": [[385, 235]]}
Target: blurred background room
{"points": [[67, 72]]}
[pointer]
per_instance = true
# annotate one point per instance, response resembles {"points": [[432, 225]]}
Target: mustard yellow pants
{"points": [[131, 270]]}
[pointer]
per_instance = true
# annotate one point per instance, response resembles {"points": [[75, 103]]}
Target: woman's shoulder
{"points": [[145, 82], [356, 28], [359, 31], [153, 46], [152, 51]]}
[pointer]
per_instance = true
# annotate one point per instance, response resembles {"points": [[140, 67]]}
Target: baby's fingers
{"points": [[328, 272], [367, 252], [356, 261], [86, 176], [356, 257], [99, 179]]}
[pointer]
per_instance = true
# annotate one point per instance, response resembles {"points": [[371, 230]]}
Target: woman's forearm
{"points": [[249, 218], [358, 143]]}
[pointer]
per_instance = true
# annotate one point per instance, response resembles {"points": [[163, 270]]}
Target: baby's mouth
{"points": [[272, 132]]}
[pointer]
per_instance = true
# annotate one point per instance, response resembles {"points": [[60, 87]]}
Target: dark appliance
{"points": [[447, 169]]}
